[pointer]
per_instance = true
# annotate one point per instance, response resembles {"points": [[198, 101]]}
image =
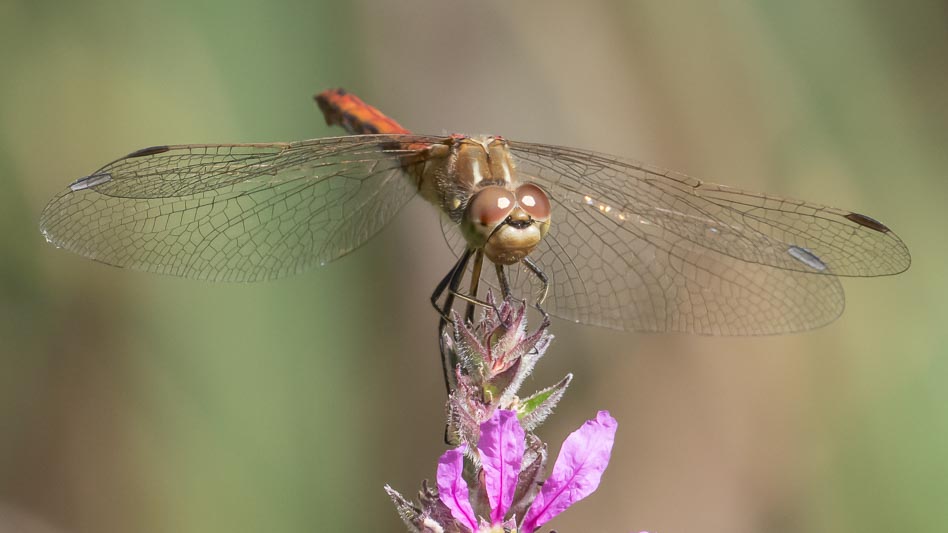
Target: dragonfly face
{"points": [[507, 224], [476, 185]]}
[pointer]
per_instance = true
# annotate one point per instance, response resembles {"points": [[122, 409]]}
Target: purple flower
{"points": [[576, 473], [501, 450], [452, 490]]}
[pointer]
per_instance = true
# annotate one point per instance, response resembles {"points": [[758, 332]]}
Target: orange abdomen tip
{"points": [[355, 116]]}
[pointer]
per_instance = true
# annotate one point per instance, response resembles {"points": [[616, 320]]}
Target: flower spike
{"points": [[495, 479]]}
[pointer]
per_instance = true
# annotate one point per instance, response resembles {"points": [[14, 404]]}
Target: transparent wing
{"points": [[665, 286], [751, 227], [237, 212], [636, 248]]}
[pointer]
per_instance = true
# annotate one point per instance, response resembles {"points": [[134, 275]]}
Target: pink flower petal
{"points": [[576, 474], [501, 447], [452, 489]]}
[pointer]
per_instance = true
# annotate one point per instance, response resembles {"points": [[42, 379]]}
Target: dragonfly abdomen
{"points": [[355, 116]]}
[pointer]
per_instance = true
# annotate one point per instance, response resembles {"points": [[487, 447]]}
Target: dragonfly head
{"points": [[507, 224]]}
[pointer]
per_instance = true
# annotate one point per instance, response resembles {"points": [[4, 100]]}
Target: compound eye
{"points": [[491, 205], [534, 201]]}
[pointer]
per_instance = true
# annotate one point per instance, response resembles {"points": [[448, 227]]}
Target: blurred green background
{"points": [[138, 403]]}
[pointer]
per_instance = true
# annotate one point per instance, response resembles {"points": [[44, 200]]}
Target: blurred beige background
{"points": [[138, 403]]}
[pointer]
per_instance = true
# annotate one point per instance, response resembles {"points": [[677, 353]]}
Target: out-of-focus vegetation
{"points": [[132, 402]]}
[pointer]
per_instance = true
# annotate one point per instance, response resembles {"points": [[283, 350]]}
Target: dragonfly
{"points": [[598, 239]]}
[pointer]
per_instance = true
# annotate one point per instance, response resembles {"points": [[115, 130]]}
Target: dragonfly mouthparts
{"points": [[519, 224]]}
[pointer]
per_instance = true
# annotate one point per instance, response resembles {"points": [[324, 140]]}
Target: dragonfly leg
{"points": [[451, 282], [471, 297], [545, 280], [475, 280], [502, 279], [476, 301], [445, 282], [443, 286]]}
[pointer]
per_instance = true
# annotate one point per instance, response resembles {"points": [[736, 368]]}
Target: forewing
{"points": [[751, 227], [237, 212]]}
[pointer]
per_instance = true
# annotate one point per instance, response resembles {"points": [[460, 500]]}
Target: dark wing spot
{"points": [[868, 222], [151, 150]]}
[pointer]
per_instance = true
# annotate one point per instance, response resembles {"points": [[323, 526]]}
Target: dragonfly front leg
{"points": [[471, 298], [456, 272], [502, 279], [450, 282], [544, 280], [475, 280]]}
